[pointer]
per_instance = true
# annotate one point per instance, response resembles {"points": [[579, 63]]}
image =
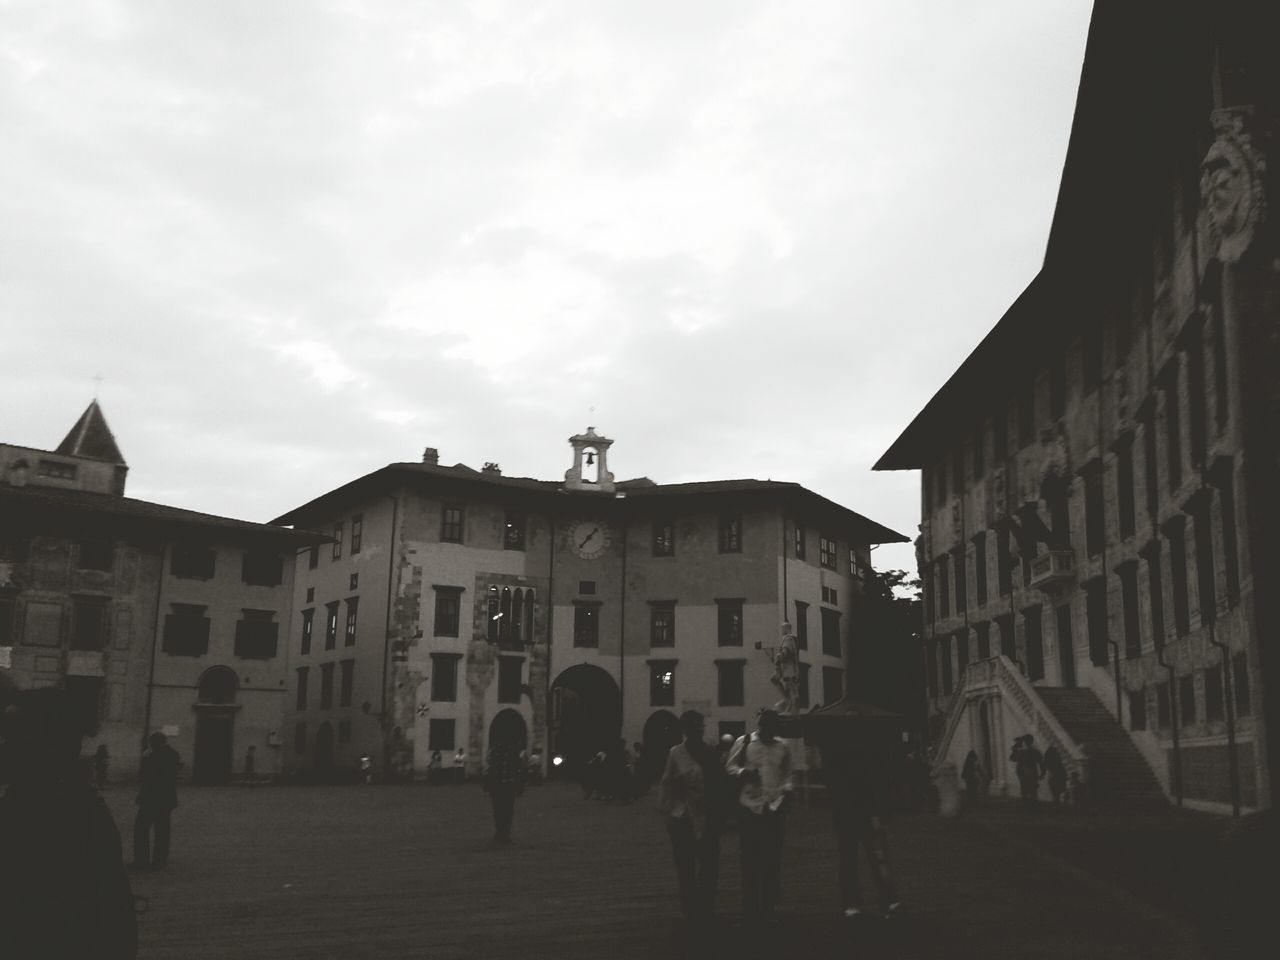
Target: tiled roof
{"points": [[91, 438], [31, 499]]}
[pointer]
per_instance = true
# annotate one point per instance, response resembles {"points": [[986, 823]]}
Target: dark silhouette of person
{"points": [[693, 793], [157, 798], [504, 781], [64, 892], [762, 765], [856, 773], [1029, 766], [972, 775], [1055, 773]]}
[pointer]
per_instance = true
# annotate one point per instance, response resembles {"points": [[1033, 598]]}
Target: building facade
{"points": [[151, 617], [456, 605], [1098, 533]]}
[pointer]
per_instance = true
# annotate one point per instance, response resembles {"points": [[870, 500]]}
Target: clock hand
{"points": [[588, 538]]}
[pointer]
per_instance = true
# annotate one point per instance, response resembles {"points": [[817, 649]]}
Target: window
{"points": [[730, 683], [95, 555], [331, 625], [510, 671], [1138, 709], [89, 624], [1035, 643], [1128, 572], [353, 605], [313, 557], [513, 532], [256, 635], [1208, 588], [191, 560], [962, 653], [827, 552], [1240, 680], [1057, 388], [353, 582], [1173, 426], [348, 668], [357, 532], [1213, 693], [729, 622], [799, 541], [731, 534], [301, 702], [326, 686], [262, 568], [984, 640], [664, 537], [440, 735], [1095, 519], [832, 685], [802, 625], [1008, 642], [308, 619], [587, 588], [662, 683], [444, 677], [1124, 486], [186, 631], [1155, 589], [56, 470], [962, 578], [6, 622], [830, 632], [311, 594], [1004, 559], [855, 565], [802, 687], [1187, 699], [448, 609], [586, 623], [980, 566], [85, 694], [344, 731], [1163, 710], [1096, 612], [662, 623], [829, 595], [451, 522], [337, 541], [1176, 532], [1146, 416]]}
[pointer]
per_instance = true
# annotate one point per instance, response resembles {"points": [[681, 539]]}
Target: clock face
{"points": [[589, 538]]}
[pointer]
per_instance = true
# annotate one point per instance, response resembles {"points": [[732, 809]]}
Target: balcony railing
{"points": [[1053, 569]]}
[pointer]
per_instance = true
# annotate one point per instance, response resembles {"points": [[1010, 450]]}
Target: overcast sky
{"points": [[303, 240]]}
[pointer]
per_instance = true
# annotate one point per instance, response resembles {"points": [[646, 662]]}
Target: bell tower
{"points": [[590, 469]]}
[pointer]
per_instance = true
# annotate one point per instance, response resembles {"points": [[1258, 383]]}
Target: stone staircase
{"points": [[1118, 773]]}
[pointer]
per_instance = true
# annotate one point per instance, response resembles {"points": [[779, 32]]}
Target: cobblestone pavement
{"points": [[391, 872]]}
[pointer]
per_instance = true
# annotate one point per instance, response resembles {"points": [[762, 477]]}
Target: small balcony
{"points": [[1053, 569]]}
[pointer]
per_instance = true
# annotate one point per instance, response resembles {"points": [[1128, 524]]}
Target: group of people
{"points": [[1032, 766], [456, 772], [701, 788]]}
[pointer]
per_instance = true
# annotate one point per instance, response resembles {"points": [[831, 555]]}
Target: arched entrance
{"points": [[215, 719], [508, 726], [324, 749], [661, 733], [586, 715]]}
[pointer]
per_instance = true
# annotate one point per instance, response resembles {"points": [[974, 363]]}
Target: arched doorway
{"points": [[508, 726], [586, 715], [661, 733], [215, 719], [324, 749]]}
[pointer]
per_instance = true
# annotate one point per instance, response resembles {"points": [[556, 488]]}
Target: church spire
{"points": [[91, 438]]}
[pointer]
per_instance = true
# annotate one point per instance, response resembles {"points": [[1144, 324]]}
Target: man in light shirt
{"points": [[761, 763]]}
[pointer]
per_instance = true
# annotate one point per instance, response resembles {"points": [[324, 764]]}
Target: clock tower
{"points": [[590, 469]]}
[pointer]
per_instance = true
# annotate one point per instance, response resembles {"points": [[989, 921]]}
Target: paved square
{"points": [[391, 872]]}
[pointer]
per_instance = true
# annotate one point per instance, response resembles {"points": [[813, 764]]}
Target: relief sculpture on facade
{"points": [[1232, 197]]}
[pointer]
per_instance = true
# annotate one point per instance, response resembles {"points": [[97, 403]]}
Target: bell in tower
{"points": [[590, 469]]}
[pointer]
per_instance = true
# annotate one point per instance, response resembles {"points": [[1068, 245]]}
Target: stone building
{"points": [[1098, 477], [455, 605], [151, 617]]}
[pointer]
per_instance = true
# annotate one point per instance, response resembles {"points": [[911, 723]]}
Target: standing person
{"points": [[1029, 765], [1055, 773], [434, 767], [250, 764], [64, 891], [101, 760], [503, 781], [157, 798], [859, 798], [691, 793], [971, 774], [761, 763], [460, 766]]}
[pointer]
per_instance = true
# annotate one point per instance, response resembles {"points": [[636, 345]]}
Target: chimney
{"points": [[493, 468], [431, 455]]}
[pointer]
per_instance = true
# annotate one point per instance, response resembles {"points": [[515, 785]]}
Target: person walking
{"points": [[1029, 766], [761, 764], [64, 891], [1055, 773], [972, 775], [692, 794], [857, 778], [504, 781], [157, 798]]}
